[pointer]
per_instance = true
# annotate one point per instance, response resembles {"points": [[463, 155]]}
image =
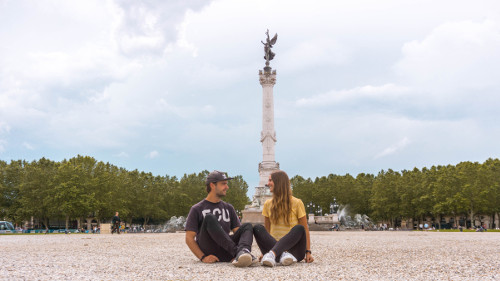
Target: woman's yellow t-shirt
{"points": [[280, 229]]}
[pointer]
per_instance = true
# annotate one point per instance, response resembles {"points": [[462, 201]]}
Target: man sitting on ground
{"points": [[209, 223]]}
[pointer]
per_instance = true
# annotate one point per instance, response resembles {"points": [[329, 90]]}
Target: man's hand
{"points": [[210, 259], [309, 258]]}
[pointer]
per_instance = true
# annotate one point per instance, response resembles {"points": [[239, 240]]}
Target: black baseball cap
{"points": [[217, 176]]}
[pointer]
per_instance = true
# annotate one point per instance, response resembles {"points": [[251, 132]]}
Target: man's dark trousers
{"points": [[213, 240]]}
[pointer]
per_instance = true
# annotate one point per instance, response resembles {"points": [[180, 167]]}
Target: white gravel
{"points": [[338, 256]]}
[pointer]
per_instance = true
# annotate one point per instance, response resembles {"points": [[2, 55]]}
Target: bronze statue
{"points": [[269, 55]]}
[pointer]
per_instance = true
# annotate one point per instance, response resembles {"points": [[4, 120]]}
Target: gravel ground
{"points": [[338, 255]]}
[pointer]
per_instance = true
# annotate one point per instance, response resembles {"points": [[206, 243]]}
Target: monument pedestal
{"points": [[311, 219], [253, 216], [335, 218]]}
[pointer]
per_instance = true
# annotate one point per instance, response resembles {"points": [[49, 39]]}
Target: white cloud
{"points": [[393, 148], [122, 155], [96, 78], [314, 53], [3, 143], [459, 56], [28, 146], [148, 28], [4, 127], [363, 94], [153, 154]]}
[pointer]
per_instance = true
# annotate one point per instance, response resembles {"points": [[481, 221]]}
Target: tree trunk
{"points": [[146, 220], [497, 224], [472, 224], [46, 223], [67, 222]]}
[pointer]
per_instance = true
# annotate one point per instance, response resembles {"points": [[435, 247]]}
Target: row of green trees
{"points": [[80, 187], [466, 189]]}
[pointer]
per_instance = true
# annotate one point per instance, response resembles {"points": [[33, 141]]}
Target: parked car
{"points": [[7, 227]]}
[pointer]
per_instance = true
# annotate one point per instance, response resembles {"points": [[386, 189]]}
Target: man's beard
{"points": [[220, 195]]}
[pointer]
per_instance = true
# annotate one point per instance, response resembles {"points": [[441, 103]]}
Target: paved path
{"points": [[339, 255]]}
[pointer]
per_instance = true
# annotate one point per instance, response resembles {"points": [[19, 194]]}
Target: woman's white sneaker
{"points": [[269, 259], [287, 258]]}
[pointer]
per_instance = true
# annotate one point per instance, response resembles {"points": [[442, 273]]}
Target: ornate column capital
{"points": [[267, 77]]}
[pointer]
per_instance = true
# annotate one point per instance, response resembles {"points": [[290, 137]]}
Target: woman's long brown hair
{"points": [[281, 206]]}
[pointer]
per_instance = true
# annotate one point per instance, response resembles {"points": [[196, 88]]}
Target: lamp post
{"points": [[310, 205], [335, 206]]}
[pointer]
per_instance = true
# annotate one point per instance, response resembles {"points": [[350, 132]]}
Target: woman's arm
{"points": [[267, 224], [303, 222]]}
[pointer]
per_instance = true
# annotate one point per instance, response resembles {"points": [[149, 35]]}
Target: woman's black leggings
{"points": [[294, 242]]}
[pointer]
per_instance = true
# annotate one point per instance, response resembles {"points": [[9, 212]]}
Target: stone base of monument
{"points": [[253, 216], [319, 227], [105, 228]]}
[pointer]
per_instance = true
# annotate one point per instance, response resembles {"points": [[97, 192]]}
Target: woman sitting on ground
{"points": [[285, 236]]}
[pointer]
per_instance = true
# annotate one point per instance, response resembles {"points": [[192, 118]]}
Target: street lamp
{"points": [[312, 207], [335, 206]]}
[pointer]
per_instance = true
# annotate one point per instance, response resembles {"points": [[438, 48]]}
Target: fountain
{"points": [[174, 224], [359, 221]]}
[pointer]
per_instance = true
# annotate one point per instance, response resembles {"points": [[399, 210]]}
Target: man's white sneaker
{"points": [[269, 259], [287, 258], [243, 258]]}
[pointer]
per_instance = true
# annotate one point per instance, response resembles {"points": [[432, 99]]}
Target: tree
{"points": [[11, 177], [151, 194], [302, 188], [473, 192], [237, 193], [191, 190], [110, 188], [490, 180], [385, 201], [362, 190], [73, 192], [36, 191]]}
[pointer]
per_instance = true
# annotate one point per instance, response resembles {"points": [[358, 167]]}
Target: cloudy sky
{"points": [[171, 87]]}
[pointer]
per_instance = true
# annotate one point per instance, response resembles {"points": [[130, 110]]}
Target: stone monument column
{"points": [[267, 78]]}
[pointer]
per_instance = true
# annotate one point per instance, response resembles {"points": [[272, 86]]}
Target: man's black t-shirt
{"points": [[223, 211]]}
